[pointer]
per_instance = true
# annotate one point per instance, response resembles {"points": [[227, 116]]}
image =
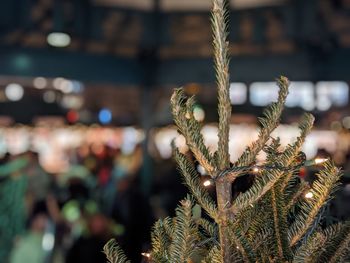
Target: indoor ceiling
{"points": [[185, 5]]}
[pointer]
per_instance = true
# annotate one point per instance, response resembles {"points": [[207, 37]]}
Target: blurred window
{"points": [[238, 93], [301, 94], [263, 93], [331, 93]]}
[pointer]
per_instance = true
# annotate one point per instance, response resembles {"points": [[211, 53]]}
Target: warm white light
{"points": [[39, 83], [58, 39], [320, 160], [256, 169], [147, 255], [309, 195], [207, 183], [57, 82], [66, 86], [14, 92]]}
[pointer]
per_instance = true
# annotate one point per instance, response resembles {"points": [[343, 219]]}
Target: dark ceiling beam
{"points": [[124, 71], [74, 65]]}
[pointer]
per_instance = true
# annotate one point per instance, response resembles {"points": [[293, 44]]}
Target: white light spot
{"points": [[58, 39], [309, 195], [256, 169], [207, 183], [14, 92], [320, 160], [201, 170], [39, 83]]}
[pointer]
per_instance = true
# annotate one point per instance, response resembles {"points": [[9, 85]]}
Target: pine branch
{"points": [[278, 203], [337, 245], [280, 224], [262, 243], [190, 129], [114, 253], [269, 178], [160, 242], [192, 180], [305, 127], [301, 189], [309, 252], [209, 228], [241, 243], [185, 234], [214, 256], [168, 225], [322, 189], [269, 122], [252, 221], [221, 61]]}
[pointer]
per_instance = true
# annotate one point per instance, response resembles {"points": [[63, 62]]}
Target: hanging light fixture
{"points": [[58, 39]]}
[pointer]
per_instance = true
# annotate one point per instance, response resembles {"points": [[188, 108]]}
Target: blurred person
{"points": [[39, 182], [88, 248], [130, 205], [29, 248], [105, 165], [13, 182]]}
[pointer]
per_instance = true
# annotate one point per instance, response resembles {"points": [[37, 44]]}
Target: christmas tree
{"points": [[277, 219]]}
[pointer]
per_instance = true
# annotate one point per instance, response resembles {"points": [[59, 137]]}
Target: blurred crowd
{"points": [[68, 217]]}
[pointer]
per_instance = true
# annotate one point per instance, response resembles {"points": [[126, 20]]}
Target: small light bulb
{"points": [[309, 195], [147, 255], [207, 183], [256, 169], [320, 160]]}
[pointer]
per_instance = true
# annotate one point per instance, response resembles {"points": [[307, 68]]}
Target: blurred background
{"points": [[85, 122]]}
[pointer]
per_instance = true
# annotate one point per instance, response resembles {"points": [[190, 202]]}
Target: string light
{"points": [[256, 169], [145, 254], [207, 183], [309, 195], [320, 160]]}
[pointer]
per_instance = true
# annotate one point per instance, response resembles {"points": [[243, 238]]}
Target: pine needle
{"points": [[114, 253]]}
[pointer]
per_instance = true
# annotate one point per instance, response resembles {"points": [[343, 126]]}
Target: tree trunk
{"points": [[224, 193]]}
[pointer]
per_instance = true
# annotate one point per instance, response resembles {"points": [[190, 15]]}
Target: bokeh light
{"points": [[14, 92], [105, 116], [58, 39]]}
